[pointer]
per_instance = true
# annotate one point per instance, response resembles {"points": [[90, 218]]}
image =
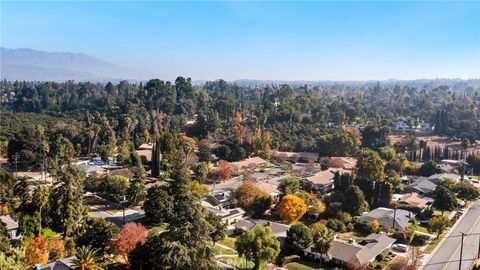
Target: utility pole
{"points": [[15, 158], [394, 216], [461, 253]]}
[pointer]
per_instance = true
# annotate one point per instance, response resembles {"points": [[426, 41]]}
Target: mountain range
{"points": [[34, 65]]}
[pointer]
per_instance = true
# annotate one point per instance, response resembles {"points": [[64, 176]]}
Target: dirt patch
{"points": [[433, 141]]}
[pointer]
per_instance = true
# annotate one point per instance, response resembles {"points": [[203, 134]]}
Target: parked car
{"points": [[400, 247]]}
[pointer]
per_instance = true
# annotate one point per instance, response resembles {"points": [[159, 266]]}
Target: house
{"points": [[348, 163], [249, 162], [436, 178], [270, 189], [423, 186], [11, 224], [228, 216], [390, 218], [223, 198], [295, 156], [61, 264], [277, 229], [145, 150], [364, 252], [415, 200], [323, 180]]}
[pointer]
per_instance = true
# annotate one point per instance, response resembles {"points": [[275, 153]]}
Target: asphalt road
{"points": [[447, 256]]}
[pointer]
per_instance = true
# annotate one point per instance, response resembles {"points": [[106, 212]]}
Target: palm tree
{"points": [[40, 199], [136, 193], [86, 259], [323, 242]]}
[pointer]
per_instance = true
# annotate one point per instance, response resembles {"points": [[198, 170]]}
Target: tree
{"points": [[136, 193], [289, 185], [291, 208], [96, 233], [467, 192], [261, 204], [4, 240], [186, 229], [323, 242], [374, 226], [201, 171], [428, 168], [438, 224], [86, 259], [37, 251], [159, 205], [113, 188], [258, 245], [66, 201], [131, 235], [56, 248], [201, 190], [204, 153], [415, 255], [474, 162], [219, 227], [298, 238], [246, 194], [354, 201], [370, 166], [224, 170], [444, 199], [40, 200]]}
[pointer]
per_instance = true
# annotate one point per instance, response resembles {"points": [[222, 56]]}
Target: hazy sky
{"points": [[259, 40]]}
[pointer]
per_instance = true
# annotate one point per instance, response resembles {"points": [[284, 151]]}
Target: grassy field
{"points": [[228, 241], [302, 265], [433, 244]]}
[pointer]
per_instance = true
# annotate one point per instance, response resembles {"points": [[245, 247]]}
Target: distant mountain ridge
{"points": [[35, 65]]}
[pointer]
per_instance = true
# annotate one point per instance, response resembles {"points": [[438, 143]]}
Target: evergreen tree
{"points": [[66, 201], [187, 243]]}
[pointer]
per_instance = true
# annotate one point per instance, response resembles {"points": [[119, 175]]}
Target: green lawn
{"points": [[439, 213], [433, 244], [47, 232], [302, 265], [223, 251], [422, 229], [228, 241]]}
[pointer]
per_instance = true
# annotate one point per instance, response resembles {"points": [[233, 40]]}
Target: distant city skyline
{"points": [[258, 40]]}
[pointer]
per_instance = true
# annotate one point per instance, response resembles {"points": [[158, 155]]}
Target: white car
{"points": [[400, 247]]}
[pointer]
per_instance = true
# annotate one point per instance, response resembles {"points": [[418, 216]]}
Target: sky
{"points": [[312, 40]]}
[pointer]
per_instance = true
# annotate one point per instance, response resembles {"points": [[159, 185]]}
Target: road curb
{"points": [[446, 236]]}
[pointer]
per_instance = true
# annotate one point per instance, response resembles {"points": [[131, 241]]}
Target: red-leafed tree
{"points": [[224, 170], [131, 235]]}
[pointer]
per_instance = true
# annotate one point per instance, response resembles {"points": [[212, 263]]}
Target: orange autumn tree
{"points": [[131, 235], [291, 208], [246, 194], [224, 170], [36, 251]]}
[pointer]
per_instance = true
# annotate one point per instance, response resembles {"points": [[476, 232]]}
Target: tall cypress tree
{"points": [[156, 158]]}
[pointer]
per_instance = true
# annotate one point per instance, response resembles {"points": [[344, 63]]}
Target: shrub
{"points": [[336, 225]]}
